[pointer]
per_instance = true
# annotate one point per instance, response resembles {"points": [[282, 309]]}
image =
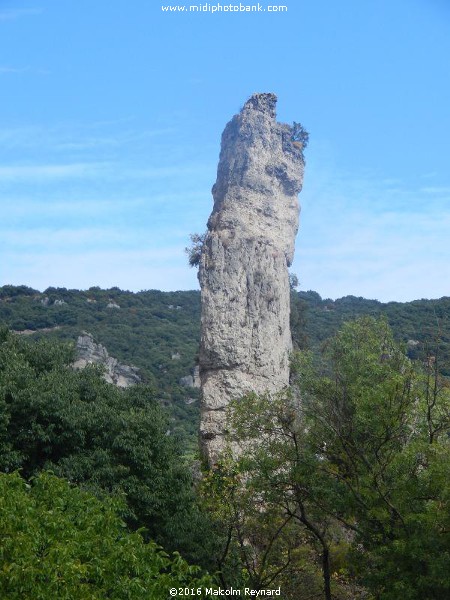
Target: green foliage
{"points": [[300, 135], [61, 542], [150, 328], [106, 439], [278, 467], [298, 321], [262, 548], [194, 251], [293, 281], [378, 425], [350, 466], [423, 323], [363, 458], [12, 291]]}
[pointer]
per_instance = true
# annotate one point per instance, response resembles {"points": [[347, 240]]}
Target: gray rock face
{"points": [[89, 352], [193, 380], [113, 305], [245, 339]]}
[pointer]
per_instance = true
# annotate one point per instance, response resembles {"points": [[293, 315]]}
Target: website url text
{"points": [[212, 8]]}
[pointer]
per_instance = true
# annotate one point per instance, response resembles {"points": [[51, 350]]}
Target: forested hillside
{"points": [[354, 506], [422, 325], [158, 332]]}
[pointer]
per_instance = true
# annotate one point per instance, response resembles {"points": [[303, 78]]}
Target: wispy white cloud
{"points": [[134, 270], [4, 70], [111, 238], [126, 220], [375, 238], [17, 13], [50, 171], [22, 207], [78, 141], [8, 70], [20, 136], [64, 206], [179, 171], [63, 238], [76, 136], [436, 190]]}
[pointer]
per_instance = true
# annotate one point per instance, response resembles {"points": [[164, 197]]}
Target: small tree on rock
{"points": [[194, 251]]}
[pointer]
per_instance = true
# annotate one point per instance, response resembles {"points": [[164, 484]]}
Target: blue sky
{"points": [[110, 120]]}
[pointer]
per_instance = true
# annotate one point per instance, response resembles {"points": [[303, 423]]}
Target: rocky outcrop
{"points": [[113, 305], [243, 271], [89, 352], [193, 380]]}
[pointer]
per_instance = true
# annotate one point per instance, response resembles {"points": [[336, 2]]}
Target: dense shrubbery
{"points": [[426, 322], [152, 327], [349, 477], [60, 542], [106, 439], [350, 485], [148, 330]]}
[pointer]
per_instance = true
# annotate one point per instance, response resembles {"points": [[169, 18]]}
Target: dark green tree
{"points": [[98, 436], [299, 135], [194, 251]]}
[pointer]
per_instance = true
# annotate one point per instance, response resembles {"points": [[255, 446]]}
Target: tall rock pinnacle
{"points": [[245, 335]]}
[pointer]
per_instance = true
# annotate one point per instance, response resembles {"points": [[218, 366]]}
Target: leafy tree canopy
{"points": [[61, 542], [354, 461], [106, 439]]}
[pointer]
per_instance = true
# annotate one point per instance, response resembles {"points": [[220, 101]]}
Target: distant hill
{"points": [[158, 332], [422, 325]]}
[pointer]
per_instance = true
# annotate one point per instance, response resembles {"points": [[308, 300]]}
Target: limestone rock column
{"points": [[249, 245]]}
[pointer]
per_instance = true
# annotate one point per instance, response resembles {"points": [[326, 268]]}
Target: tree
{"points": [[61, 542], [370, 419], [261, 547], [105, 439], [293, 281], [277, 470], [355, 456], [299, 135], [298, 321], [194, 251]]}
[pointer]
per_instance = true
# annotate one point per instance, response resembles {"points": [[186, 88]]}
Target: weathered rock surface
{"points": [[89, 352], [193, 380], [113, 305], [245, 339]]}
